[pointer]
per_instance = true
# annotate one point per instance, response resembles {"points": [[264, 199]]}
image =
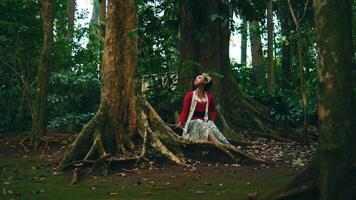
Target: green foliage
{"points": [[285, 106], [74, 86], [158, 55], [19, 21]]}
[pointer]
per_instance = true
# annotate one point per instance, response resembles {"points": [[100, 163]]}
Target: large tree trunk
{"points": [[121, 113], [332, 173], [39, 114], [188, 68], [211, 51], [244, 40], [336, 99], [283, 16], [256, 53], [109, 130], [270, 81]]}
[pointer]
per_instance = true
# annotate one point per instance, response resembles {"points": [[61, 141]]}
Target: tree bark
{"points": [[115, 120], [102, 16], [331, 175], [39, 115], [188, 67], [71, 18], [256, 53], [336, 99], [271, 80], [243, 40], [284, 17], [206, 42]]}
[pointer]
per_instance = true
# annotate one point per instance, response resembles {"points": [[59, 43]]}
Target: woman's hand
{"points": [[179, 125], [175, 126]]}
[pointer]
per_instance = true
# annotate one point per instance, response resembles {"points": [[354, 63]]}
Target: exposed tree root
{"points": [[224, 126], [92, 148], [244, 113], [75, 176], [87, 144], [162, 139]]}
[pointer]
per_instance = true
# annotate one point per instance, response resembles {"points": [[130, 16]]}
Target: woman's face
{"points": [[199, 80]]}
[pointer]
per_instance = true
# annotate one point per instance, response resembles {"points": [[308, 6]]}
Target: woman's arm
{"points": [[186, 106], [212, 107]]}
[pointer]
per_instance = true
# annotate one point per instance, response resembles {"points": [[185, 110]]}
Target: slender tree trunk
{"points": [[99, 19], [331, 175], [270, 81], [71, 18], [95, 12], [244, 40], [283, 15], [39, 115], [256, 53], [102, 16], [301, 64]]}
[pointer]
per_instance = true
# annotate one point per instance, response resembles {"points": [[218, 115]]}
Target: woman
{"points": [[199, 112]]}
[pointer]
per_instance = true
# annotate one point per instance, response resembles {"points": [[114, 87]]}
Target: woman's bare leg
{"points": [[212, 139]]}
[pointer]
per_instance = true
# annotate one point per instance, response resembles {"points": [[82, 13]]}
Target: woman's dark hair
{"points": [[208, 85]]}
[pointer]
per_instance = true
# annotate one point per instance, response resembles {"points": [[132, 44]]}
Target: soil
{"points": [[29, 174]]}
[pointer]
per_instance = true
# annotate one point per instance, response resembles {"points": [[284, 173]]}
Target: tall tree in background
{"points": [[283, 15], [205, 43], [99, 15], [39, 113], [71, 17], [102, 16], [243, 40], [95, 12], [300, 59], [256, 52], [98, 18], [331, 175], [270, 81]]}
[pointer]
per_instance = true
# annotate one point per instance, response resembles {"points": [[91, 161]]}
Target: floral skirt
{"points": [[200, 130]]}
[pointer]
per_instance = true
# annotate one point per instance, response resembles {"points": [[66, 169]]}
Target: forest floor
{"points": [[28, 175]]}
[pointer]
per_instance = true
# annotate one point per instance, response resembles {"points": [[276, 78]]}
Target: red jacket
{"points": [[200, 107]]}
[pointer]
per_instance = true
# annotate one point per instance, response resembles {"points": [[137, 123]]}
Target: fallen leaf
{"points": [[56, 173], [199, 192], [113, 193], [147, 193], [252, 196]]}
